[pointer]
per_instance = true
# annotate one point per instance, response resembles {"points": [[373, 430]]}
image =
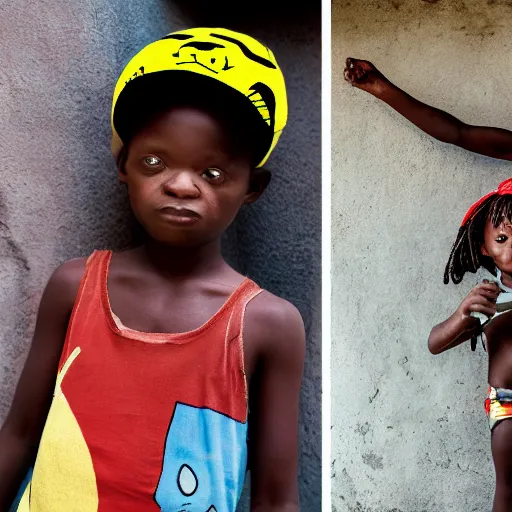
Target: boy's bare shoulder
{"points": [[70, 272], [274, 323], [270, 308], [66, 278]]}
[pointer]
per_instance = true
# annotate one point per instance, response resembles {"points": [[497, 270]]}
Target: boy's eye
{"points": [[501, 239], [214, 175], [152, 161]]}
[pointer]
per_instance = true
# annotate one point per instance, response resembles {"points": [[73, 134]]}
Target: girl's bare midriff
{"points": [[499, 348]]}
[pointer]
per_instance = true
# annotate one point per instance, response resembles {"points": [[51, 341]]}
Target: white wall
{"points": [[410, 432]]}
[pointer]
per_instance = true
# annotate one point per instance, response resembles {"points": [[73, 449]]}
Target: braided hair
{"points": [[466, 254]]}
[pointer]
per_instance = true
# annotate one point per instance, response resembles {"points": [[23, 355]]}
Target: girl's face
{"points": [[498, 245], [185, 187]]}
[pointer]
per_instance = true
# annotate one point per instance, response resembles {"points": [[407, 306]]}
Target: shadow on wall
{"points": [[231, 13]]}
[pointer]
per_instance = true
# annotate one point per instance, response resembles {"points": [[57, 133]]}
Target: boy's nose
{"points": [[182, 185]]}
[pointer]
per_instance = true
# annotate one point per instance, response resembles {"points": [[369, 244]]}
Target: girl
{"points": [[135, 393], [485, 240]]}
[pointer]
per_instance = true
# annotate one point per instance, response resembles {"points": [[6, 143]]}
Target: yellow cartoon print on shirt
{"points": [[63, 471]]}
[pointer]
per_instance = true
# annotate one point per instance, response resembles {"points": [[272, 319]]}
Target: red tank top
{"points": [[144, 421]]}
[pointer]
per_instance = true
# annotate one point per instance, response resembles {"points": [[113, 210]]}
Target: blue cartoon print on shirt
{"points": [[204, 462]]}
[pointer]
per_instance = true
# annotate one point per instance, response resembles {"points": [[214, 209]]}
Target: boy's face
{"points": [[185, 187], [498, 244]]}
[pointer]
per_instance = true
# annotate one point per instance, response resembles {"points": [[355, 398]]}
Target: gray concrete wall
{"points": [[59, 196], [410, 433]]}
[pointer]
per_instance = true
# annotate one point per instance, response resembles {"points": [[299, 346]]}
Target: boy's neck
{"points": [[183, 261]]}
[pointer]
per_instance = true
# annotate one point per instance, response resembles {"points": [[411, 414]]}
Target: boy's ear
{"points": [[258, 182], [121, 161], [483, 250], [121, 174]]}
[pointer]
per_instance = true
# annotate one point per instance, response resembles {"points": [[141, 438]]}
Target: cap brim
{"points": [[151, 93]]}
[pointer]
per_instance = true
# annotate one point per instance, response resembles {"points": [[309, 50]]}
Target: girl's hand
{"points": [[364, 75], [481, 299]]}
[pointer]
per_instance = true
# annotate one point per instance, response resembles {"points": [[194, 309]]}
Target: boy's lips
{"points": [[179, 215]]}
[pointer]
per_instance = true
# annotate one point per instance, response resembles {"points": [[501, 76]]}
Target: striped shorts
{"points": [[498, 405]]}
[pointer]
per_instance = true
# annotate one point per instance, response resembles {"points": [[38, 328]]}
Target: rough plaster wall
{"points": [[59, 197], [410, 433]]}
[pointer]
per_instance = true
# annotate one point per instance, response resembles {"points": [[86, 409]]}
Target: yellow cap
{"points": [[234, 59]]}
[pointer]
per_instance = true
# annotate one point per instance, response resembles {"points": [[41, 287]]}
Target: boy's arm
{"points": [[493, 142], [276, 328], [21, 431]]}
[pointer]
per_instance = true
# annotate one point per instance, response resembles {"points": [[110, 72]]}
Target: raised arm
{"points": [[493, 142], [276, 327], [21, 431]]}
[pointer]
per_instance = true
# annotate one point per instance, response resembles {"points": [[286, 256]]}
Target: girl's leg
{"points": [[501, 445]]}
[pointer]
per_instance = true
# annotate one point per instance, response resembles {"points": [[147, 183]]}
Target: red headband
{"points": [[503, 189]]}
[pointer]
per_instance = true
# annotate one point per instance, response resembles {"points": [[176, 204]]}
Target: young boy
{"points": [[136, 389], [493, 142]]}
